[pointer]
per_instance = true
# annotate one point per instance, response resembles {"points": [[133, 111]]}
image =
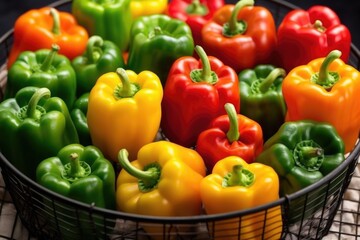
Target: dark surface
{"points": [[348, 11]]}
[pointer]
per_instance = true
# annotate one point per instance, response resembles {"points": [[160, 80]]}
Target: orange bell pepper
{"points": [[235, 185], [325, 90], [40, 28]]}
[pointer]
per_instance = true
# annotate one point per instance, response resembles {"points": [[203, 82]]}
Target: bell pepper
{"points": [[230, 135], [156, 41], [261, 97], [163, 181], [318, 27], [34, 126], [302, 153], [147, 7], [195, 13], [101, 56], [41, 28], [109, 19], [195, 93], [235, 185], [325, 90], [43, 68], [79, 118], [241, 35], [124, 111], [80, 173]]}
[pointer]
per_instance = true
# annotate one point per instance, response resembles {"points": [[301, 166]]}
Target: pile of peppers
{"points": [[180, 108]]}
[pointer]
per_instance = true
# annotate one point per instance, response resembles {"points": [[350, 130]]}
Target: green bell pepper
{"points": [[101, 56], [80, 173], [156, 41], [79, 118], [110, 19], [261, 97], [302, 153], [43, 68], [34, 126]]}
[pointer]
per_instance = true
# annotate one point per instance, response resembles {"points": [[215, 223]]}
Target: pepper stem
{"points": [[126, 89], [239, 177], [233, 26], [269, 80], [148, 179], [75, 169], [32, 110], [324, 77], [196, 8], [45, 66], [205, 74], [319, 26], [308, 155], [56, 19], [233, 133], [93, 48]]}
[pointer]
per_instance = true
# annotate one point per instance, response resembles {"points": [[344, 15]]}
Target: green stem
{"points": [[75, 170], [233, 133], [56, 19], [319, 26], [127, 89], [205, 74], [148, 179], [269, 80], [196, 8], [233, 26], [239, 177], [31, 111], [308, 155], [45, 66], [93, 48]]}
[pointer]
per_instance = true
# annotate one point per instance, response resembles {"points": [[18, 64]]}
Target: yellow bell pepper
{"points": [[163, 181], [124, 111], [147, 7], [236, 185]]}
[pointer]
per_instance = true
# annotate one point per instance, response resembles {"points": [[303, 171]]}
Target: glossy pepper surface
{"points": [[235, 185], [232, 134], [195, 13], [156, 41], [124, 111], [241, 35], [34, 126], [43, 68], [79, 117], [110, 20], [325, 90], [261, 97], [318, 27], [147, 7], [40, 28], [101, 56], [302, 153], [195, 93], [81, 173]]}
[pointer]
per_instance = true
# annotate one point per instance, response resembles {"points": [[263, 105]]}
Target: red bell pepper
{"points": [[230, 135], [241, 35], [195, 93], [304, 35], [195, 13]]}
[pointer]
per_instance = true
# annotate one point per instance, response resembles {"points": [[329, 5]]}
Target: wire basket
{"points": [[306, 214]]}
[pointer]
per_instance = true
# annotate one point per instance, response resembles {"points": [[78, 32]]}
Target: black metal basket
{"points": [[306, 214]]}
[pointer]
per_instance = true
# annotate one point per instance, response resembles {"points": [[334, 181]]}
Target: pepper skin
{"points": [[230, 135], [41, 28], [196, 13], [261, 97], [101, 56], [147, 7], [156, 41], [43, 68], [241, 35], [81, 173], [34, 126], [110, 20], [79, 117], [302, 152], [325, 90], [304, 35], [124, 111], [195, 93], [235, 185]]}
